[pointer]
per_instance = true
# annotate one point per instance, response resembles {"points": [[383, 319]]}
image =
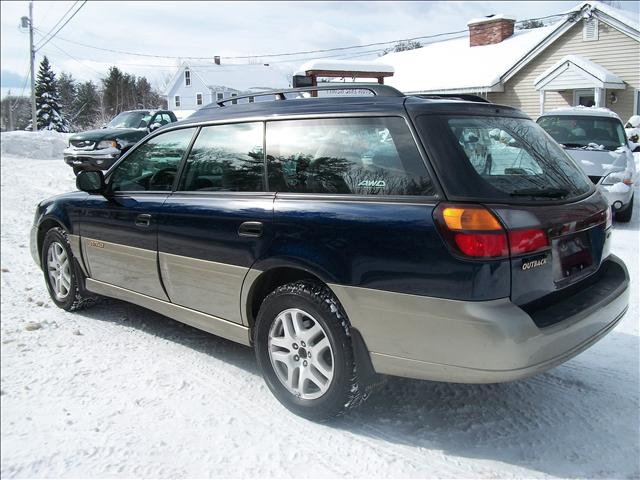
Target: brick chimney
{"points": [[216, 60], [490, 29]]}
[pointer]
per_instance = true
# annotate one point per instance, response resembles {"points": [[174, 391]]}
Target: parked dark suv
{"points": [[99, 149], [349, 237]]}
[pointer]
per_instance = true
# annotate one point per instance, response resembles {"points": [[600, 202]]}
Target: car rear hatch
{"points": [[553, 222]]}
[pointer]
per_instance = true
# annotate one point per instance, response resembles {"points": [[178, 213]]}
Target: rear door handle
{"points": [[143, 220], [250, 229]]}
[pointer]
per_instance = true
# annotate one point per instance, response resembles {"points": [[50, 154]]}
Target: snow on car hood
{"points": [[598, 163]]}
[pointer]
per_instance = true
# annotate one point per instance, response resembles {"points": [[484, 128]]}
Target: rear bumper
{"points": [[479, 342]]}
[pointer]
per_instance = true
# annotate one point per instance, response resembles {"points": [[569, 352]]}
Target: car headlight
{"points": [[617, 177], [107, 144]]}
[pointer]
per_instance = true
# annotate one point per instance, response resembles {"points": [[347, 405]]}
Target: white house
{"points": [[196, 85]]}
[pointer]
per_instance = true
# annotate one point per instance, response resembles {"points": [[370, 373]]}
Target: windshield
{"points": [[501, 159], [582, 131], [130, 120]]}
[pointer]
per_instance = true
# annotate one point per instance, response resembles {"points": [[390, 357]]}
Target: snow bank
{"points": [[44, 144]]}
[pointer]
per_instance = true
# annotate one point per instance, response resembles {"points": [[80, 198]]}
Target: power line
{"points": [[63, 25], [286, 54], [61, 18]]}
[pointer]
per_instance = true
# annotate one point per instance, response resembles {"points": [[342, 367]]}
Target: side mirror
{"points": [[154, 126], [90, 182]]}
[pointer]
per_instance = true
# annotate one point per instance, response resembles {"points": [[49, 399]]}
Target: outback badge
{"points": [[529, 263]]}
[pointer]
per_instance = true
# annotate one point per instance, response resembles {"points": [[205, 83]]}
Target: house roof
{"points": [[240, 77], [454, 66], [575, 67]]}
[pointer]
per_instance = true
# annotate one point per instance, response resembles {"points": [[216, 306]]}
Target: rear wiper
{"points": [[540, 192]]}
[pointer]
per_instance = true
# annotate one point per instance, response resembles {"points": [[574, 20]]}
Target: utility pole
{"points": [[32, 54]]}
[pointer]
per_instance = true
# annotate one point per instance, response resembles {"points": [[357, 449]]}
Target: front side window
{"points": [[226, 158], [500, 159], [153, 165], [584, 131], [365, 156], [176, 100]]}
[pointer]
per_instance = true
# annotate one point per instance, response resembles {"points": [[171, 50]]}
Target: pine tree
{"points": [[48, 110], [67, 91], [87, 105]]}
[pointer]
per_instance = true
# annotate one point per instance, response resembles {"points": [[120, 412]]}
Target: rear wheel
{"points": [[304, 351], [62, 273], [625, 215]]}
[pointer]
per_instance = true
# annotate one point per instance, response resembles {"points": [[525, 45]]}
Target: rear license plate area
{"points": [[573, 257]]}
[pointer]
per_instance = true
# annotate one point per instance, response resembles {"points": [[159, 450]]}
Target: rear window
{"points": [[364, 156], [584, 132], [501, 159]]}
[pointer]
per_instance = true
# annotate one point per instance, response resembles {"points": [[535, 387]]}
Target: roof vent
{"points": [[490, 29], [590, 29]]}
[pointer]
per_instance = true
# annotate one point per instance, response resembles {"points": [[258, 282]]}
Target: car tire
{"points": [[624, 216], [62, 273], [289, 316]]}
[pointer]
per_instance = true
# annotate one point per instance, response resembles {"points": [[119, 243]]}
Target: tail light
{"points": [[473, 231]]}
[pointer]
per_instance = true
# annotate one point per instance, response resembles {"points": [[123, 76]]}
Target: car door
{"points": [[119, 230], [218, 221]]}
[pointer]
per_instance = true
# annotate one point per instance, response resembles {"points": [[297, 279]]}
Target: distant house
{"points": [[194, 86], [591, 56]]}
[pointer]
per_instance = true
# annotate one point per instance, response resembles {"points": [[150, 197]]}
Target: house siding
{"points": [[613, 50]]}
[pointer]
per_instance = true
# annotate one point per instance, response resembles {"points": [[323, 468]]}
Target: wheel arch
{"points": [[46, 224]]}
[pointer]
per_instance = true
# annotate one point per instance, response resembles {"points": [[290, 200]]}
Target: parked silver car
{"points": [[596, 139]]}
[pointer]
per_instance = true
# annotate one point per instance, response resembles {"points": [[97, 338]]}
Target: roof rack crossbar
{"points": [[459, 96], [376, 89]]}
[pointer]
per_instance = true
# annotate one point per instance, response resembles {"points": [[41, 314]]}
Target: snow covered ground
{"points": [[119, 391]]}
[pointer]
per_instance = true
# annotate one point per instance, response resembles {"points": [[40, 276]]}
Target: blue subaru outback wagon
{"points": [[348, 237]]}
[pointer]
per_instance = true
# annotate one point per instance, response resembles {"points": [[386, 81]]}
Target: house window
{"points": [[187, 78], [252, 99], [219, 96], [586, 98], [176, 100], [198, 99], [590, 29], [234, 102]]}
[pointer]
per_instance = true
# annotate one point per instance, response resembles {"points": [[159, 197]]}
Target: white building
{"points": [[196, 85]]}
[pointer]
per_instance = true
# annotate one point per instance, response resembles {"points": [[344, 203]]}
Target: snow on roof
{"points": [[455, 66], [594, 69], [582, 110], [345, 66], [499, 16]]}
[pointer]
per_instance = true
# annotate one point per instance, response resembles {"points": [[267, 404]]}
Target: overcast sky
{"points": [[205, 29]]}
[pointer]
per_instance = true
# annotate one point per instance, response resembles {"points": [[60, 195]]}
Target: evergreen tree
{"points": [[87, 105], [402, 47], [48, 110], [67, 88]]}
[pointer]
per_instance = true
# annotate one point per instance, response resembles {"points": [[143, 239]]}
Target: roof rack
{"points": [[378, 90], [460, 96]]}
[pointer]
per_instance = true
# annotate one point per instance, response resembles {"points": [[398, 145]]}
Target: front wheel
{"points": [[61, 272], [304, 351]]}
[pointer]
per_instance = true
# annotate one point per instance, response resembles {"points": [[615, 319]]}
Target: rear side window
{"points": [[500, 159], [226, 158], [364, 156]]}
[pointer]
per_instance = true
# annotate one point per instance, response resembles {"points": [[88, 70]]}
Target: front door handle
{"points": [[250, 229], [143, 220]]}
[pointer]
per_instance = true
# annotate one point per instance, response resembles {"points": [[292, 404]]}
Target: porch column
{"points": [[541, 102], [598, 95]]}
